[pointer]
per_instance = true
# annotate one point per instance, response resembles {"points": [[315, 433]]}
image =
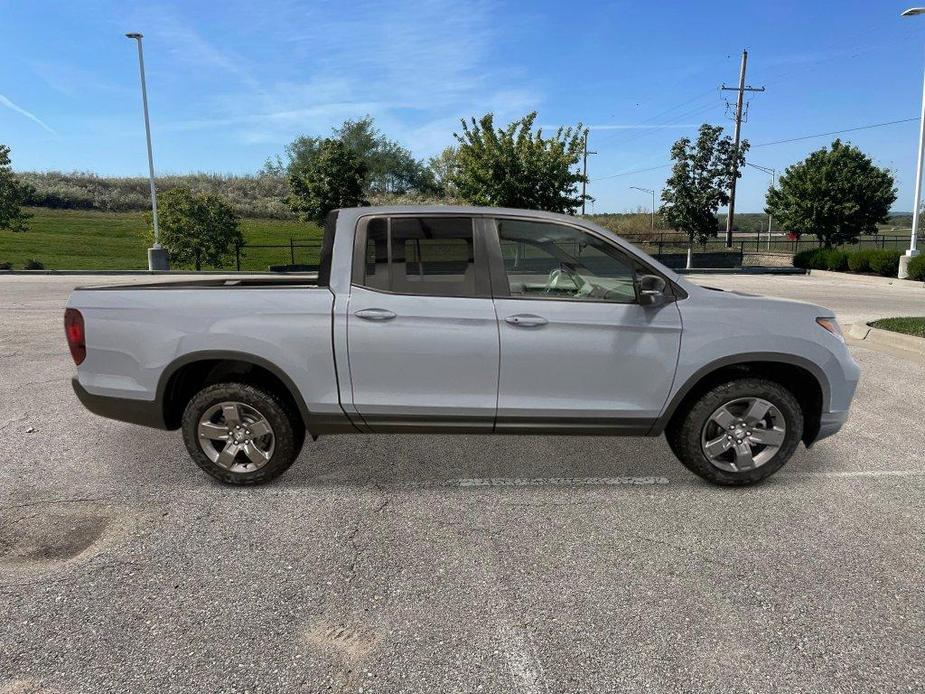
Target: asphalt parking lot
{"points": [[457, 564]]}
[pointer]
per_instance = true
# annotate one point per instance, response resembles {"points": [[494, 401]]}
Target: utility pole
{"points": [[584, 181], [741, 89]]}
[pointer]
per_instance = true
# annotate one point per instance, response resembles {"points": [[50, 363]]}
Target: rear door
{"points": [[577, 349], [422, 334]]}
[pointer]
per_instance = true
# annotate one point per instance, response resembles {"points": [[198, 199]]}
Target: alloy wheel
{"points": [[236, 436], [743, 434]]}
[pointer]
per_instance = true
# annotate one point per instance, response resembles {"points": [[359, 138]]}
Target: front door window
{"points": [[555, 261]]}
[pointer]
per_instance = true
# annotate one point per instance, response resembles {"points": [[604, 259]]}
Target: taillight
{"points": [[74, 330]]}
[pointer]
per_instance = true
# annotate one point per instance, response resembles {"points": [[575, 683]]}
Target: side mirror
{"points": [[651, 290]]}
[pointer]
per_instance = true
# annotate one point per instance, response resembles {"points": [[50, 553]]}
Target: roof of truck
{"points": [[454, 209]]}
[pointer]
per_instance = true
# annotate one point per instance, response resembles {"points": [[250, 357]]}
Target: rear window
{"points": [[428, 256]]}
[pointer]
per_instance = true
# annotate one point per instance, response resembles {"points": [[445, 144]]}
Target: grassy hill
{"points": [[92, 240]]}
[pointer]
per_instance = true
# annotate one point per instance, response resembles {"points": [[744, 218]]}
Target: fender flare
{"points": [[230, 355], [735, 359]]}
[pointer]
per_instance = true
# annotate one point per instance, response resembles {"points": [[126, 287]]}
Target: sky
{"points": [[231, 83]]}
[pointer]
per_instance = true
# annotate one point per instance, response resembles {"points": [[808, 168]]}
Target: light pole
{"points": [[646, 190], [912, 252], [773, 172], [157, 256]]}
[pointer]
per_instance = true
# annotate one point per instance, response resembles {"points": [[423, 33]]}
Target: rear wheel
{"points": [[241, 434], [738, 432]]}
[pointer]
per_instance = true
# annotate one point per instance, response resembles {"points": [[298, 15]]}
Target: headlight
{"points": [[832, 326]]}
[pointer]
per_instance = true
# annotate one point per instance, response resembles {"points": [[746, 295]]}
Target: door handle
{"points": [[375, 314], [526, 320]]}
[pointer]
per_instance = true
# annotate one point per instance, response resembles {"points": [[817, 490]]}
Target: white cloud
{"points": [[415, 66], [75, 82], [28, 114]]}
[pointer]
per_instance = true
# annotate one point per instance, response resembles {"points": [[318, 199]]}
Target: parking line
{"points": [[858, 473], [525, 668], [535, 482]]}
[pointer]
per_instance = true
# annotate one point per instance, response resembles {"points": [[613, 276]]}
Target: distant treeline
{"points": [[251, 196], [255, 196], [264, 196], [640, 222]]}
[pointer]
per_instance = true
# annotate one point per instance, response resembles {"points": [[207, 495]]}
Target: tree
{"points": [[699, 182], [12, 195], [390, 168], [334, 178], [441, 169], [515, 167], [196, 228], [836, 194]]}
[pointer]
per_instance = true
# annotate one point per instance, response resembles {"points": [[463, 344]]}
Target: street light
{"points": [[773, 172], [646, 190], [912, 252], [157, 256]]}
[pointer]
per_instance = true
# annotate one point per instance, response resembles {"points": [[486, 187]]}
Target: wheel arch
{"points": [[801, 376], [189, 373]]}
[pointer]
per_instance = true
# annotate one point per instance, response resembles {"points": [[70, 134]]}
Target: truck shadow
{"points": [[471, 460], [464, 460]]}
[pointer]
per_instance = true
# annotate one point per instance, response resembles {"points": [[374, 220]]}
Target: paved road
{"points": [[457, 564], [854, 299]]}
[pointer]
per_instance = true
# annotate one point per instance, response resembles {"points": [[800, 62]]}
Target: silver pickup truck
{"points": [[463, 320]]}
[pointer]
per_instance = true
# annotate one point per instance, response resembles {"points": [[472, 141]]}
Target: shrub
{"points": [[917, 268], [822, 259], [835, 259], [32, 264], [859, 261], [885, 262], [6, 266], [810, 259]]}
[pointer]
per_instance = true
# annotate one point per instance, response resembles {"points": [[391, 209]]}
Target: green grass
{"points": [[909, 326], [90, 240]]}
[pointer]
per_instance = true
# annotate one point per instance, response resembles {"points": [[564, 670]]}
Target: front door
{"points": [[577, 349], [422, 332]]}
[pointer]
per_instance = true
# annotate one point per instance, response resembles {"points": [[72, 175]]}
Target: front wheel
{"points": [[241, 434], [739, 432]]}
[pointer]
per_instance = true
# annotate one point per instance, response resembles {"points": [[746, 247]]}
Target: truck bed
{"points": [[257, 282], [137, 335]]}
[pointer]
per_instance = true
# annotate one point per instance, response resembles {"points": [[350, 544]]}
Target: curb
{"points": [[867, 279], [746, 270], [887, 338]]}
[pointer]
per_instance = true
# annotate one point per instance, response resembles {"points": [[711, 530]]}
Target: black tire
{"points": [[288, 430], [684, 431]]}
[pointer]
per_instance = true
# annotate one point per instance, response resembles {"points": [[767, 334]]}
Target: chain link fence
{"points": [[668, 247]]}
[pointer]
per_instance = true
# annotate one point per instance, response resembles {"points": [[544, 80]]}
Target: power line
{"points": [[652, 131], [857, 50], [668, 111], [837, 132], [775, 142], [629, 173]]}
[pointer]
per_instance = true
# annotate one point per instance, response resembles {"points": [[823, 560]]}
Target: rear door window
{"points": [[427, 256]]}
